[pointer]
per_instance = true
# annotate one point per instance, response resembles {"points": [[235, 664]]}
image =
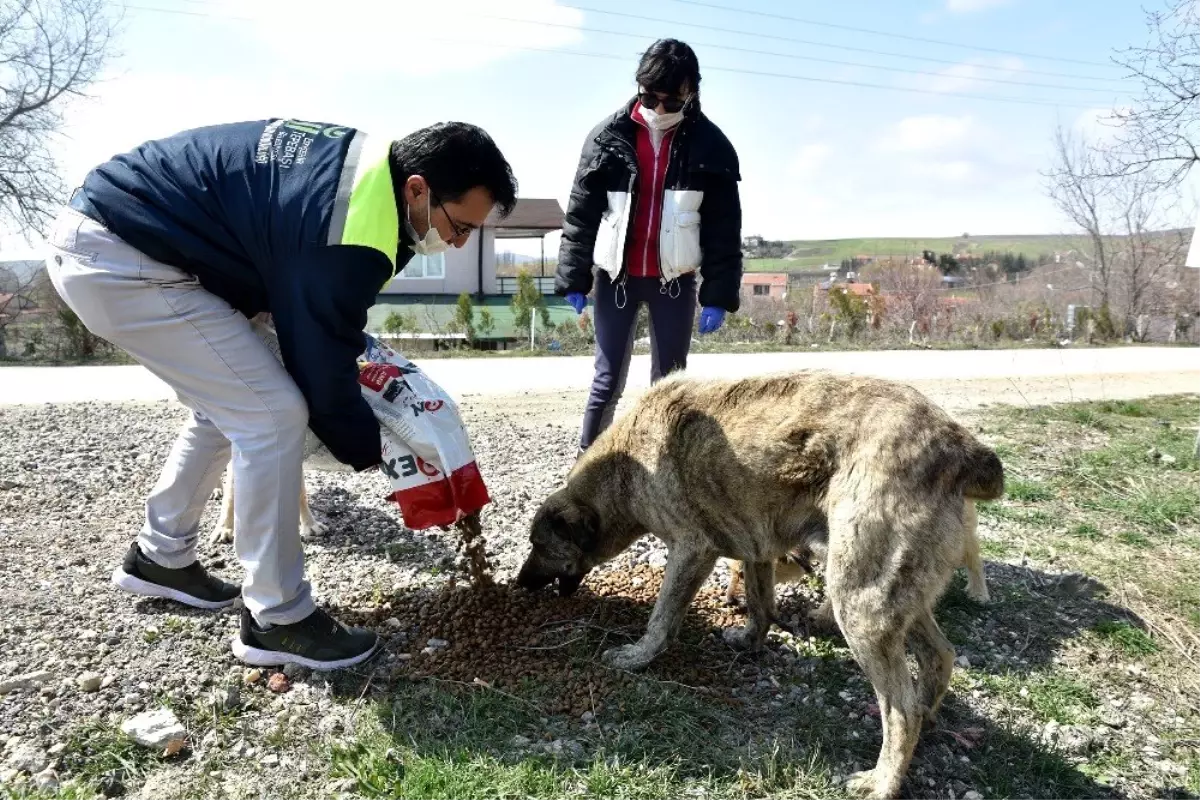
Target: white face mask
{"points": [[433, 243], [661, 122]]}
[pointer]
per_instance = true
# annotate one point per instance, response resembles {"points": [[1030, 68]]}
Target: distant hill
{"points": [[812, 253]]}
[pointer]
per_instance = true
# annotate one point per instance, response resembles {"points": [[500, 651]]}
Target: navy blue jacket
{"points": [[256, 211]]}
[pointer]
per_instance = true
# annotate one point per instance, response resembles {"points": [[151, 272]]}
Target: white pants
{"points": [[241, 398]]}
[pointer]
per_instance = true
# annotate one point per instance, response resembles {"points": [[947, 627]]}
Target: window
{"points": [[425, 267], [761, 289]]}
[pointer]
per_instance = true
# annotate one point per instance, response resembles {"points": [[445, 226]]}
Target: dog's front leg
{"points": [[687, 569], [222, 532], [309, 526], [760, 605]]}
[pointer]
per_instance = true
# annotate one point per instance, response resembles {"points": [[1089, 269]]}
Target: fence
{"points": [[508, 286]]}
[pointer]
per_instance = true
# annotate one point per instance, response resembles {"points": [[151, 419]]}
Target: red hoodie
{"points": [[641, 248]]}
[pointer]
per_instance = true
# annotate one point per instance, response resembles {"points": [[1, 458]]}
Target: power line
{"points": [[757, 73], [811, 43], [797, 57], [906, 37], [848, 48]]}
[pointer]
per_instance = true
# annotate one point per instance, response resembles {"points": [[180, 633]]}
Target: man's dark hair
{"points": [[667, 65], [455, 157]]}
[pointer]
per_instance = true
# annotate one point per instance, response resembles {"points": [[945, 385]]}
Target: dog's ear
{"points": [[566, 522], [585, 528]]}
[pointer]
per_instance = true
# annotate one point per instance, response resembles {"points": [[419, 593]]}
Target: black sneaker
{"points": [[191, 585], [318, 642]]}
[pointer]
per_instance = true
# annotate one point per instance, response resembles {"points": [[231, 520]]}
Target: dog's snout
{"points": [[531, 579], [568, 584]]}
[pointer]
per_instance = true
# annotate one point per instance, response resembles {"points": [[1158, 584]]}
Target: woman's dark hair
{"points": [[455, 157], [667, 66]]}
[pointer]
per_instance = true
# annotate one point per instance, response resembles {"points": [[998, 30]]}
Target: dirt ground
{"points": [[1077, 681]]}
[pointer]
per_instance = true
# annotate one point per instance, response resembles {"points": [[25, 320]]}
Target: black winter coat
{"points": [[701, 191]]}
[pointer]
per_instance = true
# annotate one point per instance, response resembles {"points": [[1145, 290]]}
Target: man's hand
{"points": [[711, 319]]}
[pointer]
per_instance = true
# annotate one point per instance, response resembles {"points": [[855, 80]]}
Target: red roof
{"points": [[765, 278]]}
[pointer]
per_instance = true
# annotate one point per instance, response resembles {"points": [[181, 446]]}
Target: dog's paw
{"points": [[979, 593], [221, 534], [742, 638], [629, 657], [867, 784], [311, 529]]}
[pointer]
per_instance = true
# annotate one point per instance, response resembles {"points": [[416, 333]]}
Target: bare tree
{"points": [[1078, 186], [912, 291], [1130, 245], [18, 292], [1146, 250], [1160, 133], [50, 51]]}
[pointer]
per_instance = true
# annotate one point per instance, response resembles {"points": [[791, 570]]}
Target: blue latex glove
{"points": [[711, 319], [578, 301]]}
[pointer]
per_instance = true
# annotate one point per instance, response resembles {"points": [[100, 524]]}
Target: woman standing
{"points": [[655, 199]]}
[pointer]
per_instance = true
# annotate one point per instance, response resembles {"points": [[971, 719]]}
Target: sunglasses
{"points": [[652, 99]]}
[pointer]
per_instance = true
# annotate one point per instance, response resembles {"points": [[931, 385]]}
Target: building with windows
{"points": [[426, 292]]}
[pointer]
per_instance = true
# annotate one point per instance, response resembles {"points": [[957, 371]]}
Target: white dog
{"points": [[222, 532]]}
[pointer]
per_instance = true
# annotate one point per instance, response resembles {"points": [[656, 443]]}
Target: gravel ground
{"points": [[72, 482]]}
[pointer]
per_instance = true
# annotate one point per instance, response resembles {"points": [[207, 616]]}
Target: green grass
{"points": [[1027, 491], [992, 549], [1086, 530], [1051, 696], [1125, 408], [433, 743], [97, 751], [815, 252], [71, 791], [1123, 636]]}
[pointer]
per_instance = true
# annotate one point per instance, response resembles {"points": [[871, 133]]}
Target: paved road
{"points": [[1155, 369]]}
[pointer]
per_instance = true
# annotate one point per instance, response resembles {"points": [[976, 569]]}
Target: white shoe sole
{"points": [[257, 657], [135, 585]]}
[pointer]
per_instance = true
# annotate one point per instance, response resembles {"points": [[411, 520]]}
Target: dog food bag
{"points": [[427, 453]]}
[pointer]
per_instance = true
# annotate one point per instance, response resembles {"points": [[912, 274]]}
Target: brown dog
{"points": [[798, 564], [741, 469]]}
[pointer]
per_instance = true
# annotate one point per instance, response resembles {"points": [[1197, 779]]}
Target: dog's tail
{"points": [[983, 474]]}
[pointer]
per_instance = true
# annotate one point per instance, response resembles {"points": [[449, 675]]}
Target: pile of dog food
{"points": [[546, 648]]}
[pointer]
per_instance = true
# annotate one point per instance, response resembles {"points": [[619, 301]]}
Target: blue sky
{"points": [[819, 159]]}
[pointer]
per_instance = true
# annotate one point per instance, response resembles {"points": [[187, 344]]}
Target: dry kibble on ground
{"points": [[505, 637]]}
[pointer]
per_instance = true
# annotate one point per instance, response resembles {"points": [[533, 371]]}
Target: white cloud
{"points": [[968, 6], [414, 38], [809, 160], [965, 76], [926, 133], [959, 171]]}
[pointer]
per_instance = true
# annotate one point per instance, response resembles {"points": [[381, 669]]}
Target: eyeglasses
{"points": [[459, 231], [652, 99]]}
